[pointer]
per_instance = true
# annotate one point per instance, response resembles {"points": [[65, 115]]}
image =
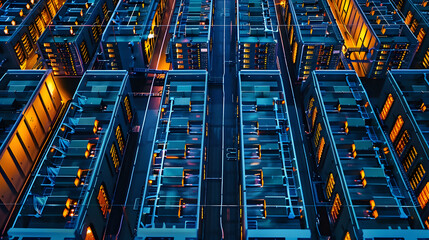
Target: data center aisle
{"points": [[221, 210]]}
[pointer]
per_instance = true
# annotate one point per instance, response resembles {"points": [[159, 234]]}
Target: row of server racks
{"points": [[370, 37], [72, 188], [72, 36]]}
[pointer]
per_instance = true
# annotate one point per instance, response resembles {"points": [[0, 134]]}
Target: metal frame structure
{"points": [[71, 40], [72, 189], [171, 201], [405, 94], [360, 178], [376, 39], [256, 25], [31, 102], [271, 193], [22, 23], [129, 40], [313, 37], [190, 42]]}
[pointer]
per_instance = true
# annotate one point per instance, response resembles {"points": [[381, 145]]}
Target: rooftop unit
{"points": [[70, 195], [129, 39], [22, 23], [256, 24], [171, 205], [402, 111], [376, 39], [72, 38], [190, 42], [30, 105], [361, 189], [273, 204], [313, 36]]}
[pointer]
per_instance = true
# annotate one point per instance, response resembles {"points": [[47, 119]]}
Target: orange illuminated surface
{"points": [[356, 35], [45, 102]]}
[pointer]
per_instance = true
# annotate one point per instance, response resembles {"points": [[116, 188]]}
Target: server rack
{"points": [[376, 39], [361, 190], [402, 112], [190, 42], [414, 14], [71, 40], [31, 103], [71, 193], [256, 24], [129, 39], [313, 37], [171, 201], [271, 193], [22, 23]]}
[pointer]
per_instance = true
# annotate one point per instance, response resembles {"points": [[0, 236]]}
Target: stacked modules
{"points": [[364, 194], [313, 36], [415, 14], [402, 111], [72, 189], [130, 37], [256, 24], [22, 23], [273, 204], [72, 38], [30, 103], [190, 43], [172, 195], [376, 39]]}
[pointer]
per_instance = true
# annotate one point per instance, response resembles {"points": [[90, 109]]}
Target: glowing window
{"points": [[313, 117], [103, 201], [347, 237], [417, 176], [396, 128], [317, 134], [386, 107], [336, 207], [424, 196], [330, 185], [115, 157], [120, 139], [128, 108], [320, 150], [402, 143], [409, 158]]}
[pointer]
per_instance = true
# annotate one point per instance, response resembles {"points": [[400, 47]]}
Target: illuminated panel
{"points": [[313, 117], [320, 150], [120, 139], [128, 109], [409, 158], [330, 185], [115, 157], [424, 196], [310, 106], [396, 128], [317, 134], [417, 176], [336, 207], [386, 107], [402, 143], [103, 200], [347, 237]]}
